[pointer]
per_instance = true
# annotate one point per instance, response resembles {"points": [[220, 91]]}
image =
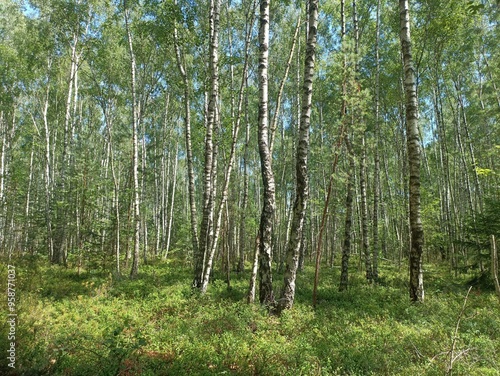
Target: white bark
{"points": [[135, 150], [301, 172], [413, 144], [266, 295]]}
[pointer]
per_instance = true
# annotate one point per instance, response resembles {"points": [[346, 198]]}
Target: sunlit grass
{"points": [[74, 324]]}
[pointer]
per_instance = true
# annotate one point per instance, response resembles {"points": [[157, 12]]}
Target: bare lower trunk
{"points": [[244, 204], [255, 267], [48, 177], [172, 201], [27, 223], [3, 169], [346, 248], [364, 213], [106, 106]]}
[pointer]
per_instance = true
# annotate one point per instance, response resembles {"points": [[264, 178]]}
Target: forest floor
{"points": [[94, 324]]}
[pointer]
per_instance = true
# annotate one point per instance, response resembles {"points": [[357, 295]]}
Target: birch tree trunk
{"points": [[172, 201], [116, 192], [376, 167], [3, 175], [48, 170], [253, 277], [211, 248], [364, 212], [346, 248], [27, 223], [266, 295], [58, 256], [413, 145], [244, 204], [135, 152], [206, 230], [302, 179]]}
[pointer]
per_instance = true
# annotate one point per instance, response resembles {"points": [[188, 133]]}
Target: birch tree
{"points": [[135, 146], [266, 295], [413, 145], [181, 66], [210, 169], [301, 172]]}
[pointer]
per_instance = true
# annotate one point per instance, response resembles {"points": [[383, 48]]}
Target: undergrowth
{"points": [[97, 324]]}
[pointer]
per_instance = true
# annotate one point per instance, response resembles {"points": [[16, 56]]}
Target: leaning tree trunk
{"points": [[279, 97], [266, 295], [302, 180], [413, 144]]}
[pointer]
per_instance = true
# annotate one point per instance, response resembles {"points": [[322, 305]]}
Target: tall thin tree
{"points": [[135, 147], [266, 295], [189, 149], [212, 123], [413, 145], [301, 173]]}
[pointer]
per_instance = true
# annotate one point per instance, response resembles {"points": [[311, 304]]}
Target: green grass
{"points": [[94, 324]]}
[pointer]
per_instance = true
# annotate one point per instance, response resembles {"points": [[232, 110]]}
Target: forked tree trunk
{"points": [[301, 172], [413, 144]]}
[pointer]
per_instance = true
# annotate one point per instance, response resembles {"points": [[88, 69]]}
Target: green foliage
{"points": [[477, 238], [73, 324]]}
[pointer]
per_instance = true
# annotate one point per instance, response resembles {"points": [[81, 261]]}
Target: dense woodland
{"points": [[340, 154]]}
